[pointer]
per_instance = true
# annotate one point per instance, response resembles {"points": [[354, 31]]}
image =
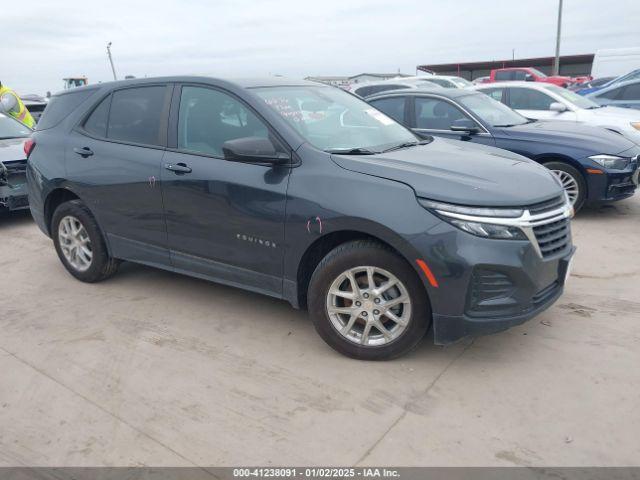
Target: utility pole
{"points": [[556, 64], [113, 69]]}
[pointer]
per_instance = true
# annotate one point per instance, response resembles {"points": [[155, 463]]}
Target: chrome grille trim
{"points": [[530, 222]]}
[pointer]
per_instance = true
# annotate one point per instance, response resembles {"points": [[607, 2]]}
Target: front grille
{"points": [[553, 238]]}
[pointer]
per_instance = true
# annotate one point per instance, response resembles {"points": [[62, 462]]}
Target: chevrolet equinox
{"points": [[303, 192]]}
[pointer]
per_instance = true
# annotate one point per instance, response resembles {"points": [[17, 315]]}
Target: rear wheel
{"points": [[79, 243], [572, 181], [367, 303]]}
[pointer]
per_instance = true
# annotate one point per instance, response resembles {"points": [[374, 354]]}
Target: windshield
{"points": [[461, 82], [333, 120], [571, 97], [491, 111], [10, 128]]}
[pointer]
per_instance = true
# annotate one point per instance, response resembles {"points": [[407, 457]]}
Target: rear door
{"points": [[393, 107], [113, 160], [225, 220]]}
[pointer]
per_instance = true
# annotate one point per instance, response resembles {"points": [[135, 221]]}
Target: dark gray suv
{"points": [[303, 192]]}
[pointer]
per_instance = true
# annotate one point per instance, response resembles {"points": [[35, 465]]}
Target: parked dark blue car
{"points": [[594, 165], [597, 84]]}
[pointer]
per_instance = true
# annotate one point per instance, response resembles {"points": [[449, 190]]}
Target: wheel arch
{"points": [[54, 199], [554, 157], [321, 246]]}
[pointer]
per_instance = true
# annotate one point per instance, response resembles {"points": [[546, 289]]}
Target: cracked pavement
{"points": [[153, 368]]}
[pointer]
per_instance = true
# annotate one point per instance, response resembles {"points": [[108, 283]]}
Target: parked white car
{"points": [[447, 81], [371, 88], [548, 102]]}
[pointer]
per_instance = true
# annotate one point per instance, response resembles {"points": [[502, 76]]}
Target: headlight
{"points": [[489, 230], [612, 162], [635, 125], [451, 213]]}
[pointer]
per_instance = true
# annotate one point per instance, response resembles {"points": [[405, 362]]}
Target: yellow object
{"points": [[22, 114], [636, 125]]}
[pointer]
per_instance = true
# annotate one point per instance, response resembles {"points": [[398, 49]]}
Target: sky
{"points": [[43, 41]]}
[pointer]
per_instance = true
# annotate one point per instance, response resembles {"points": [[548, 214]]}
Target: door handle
{"points": [[83, 152], [177, 168]]}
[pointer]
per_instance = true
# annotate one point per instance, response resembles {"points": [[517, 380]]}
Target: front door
{"points": [[535, 104], [225, 220], [114, 159]]}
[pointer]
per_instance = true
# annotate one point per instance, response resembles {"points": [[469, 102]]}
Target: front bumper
{"points": [[613, 185], [486, 285], [448, 329]]}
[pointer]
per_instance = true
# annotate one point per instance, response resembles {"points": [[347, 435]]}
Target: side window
{"points": [[438, 81], [434, 114], [503, 75], [631, 92], [495, 93], [519, 75], [527, 99], [136, 115], [392, 107], [364, 91], [96, 124], [611, 94], [208, 118]]}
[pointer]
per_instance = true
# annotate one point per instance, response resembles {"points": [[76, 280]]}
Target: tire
{"points": [[100, 265], [331, 275], [563, 169]]}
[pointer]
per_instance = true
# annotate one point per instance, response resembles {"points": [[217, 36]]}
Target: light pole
{"points": [[556, 64], [113, 69]]}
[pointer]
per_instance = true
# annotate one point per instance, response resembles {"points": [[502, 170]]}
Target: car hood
{"points": [[592, 140], [462, 173], [614, 113], [12, 149]]}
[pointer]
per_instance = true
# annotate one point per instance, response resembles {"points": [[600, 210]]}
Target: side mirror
{"points": [[529, 78], [464, 125], [253, 149], [558, 107]]}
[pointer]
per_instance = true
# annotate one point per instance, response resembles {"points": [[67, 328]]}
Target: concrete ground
{"points": [[153, 368]]}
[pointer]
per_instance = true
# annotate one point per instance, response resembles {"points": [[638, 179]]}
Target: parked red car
{"points": [[530, 75]]}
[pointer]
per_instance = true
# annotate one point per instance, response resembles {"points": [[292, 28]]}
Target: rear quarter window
{"points": [[60, 106]]}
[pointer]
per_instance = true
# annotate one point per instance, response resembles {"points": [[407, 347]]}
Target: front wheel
{"points": [[367, 303], [572, 182]]}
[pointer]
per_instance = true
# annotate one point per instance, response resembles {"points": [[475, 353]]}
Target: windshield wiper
{"points": [[351, 151], [406, 145]]}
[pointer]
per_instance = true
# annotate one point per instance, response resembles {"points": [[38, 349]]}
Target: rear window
{"points": [[60, 106], [503, 75]]}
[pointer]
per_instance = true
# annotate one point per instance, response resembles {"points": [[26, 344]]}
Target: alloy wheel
{"points": [[75, 243], [369, 306], [569, 184]]}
